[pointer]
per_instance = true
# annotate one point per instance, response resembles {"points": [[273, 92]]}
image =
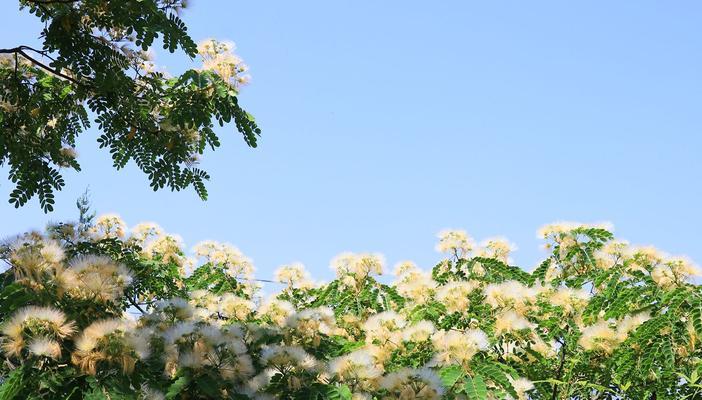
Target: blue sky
{"points": [[384, 122]]}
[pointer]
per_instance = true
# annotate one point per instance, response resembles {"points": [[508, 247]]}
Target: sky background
{"points": [[386, 121]]}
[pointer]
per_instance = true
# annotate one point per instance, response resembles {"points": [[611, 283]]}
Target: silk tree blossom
{"points": [[312, 322], [171, 310], [148, 393], [612, 253], [239, 369], [629, 323], [454, 295], [52, 252], [233, 306], [205, 299], [258, 382], [35, 260], [605, 336], [547, 350], [94, 277], [44, 347], [416, 285], [498, 248], [521, 386], [571, 300], [277, 310], [357, 368], [112, 341], [359, 265], [293, 275], [648, 256], [37, 326], [198, 345], [361, 396], [557, 230], [456, 347], [108, 226], [418, 331], [455, 242], [169, 248], [383, 327], [674, 271], [509, 321], [219, 58], [473, 269], [413, 283], [236, 264], [601, 336], [288, 358], [510, 294], [410, 383], [381, 353], [144, 231], [404, 267]]}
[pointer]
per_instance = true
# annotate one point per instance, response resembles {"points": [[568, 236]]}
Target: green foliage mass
{"points": [[94, 63]]}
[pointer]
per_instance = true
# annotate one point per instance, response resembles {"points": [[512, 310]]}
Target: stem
{"points": [[136, 305], [559, 372], [20, 50]]}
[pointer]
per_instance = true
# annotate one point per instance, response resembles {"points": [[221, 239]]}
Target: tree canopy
{"points": [[95, 310], [95, 63]]}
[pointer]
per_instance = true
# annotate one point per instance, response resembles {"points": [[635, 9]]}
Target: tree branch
{"points": [[52, 1], [49, 69], [135, 304], [20, 50], [559, 372]]}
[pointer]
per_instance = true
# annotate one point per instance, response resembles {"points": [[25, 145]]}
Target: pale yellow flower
{"points": [[454, 295], [409, 383], [109, 226], [498, 248], [455, 347], [114, 341], [455, 242], [36, 329], [219, 58]]}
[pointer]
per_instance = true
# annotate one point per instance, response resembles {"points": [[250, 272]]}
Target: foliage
{"points": [[89, 311], [95, 62]]}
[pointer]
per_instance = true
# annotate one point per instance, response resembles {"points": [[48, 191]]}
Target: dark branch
{"points": [[136, 305], [52, 1], [20, 50], [49, 69], [559, 372], [11, 51]]}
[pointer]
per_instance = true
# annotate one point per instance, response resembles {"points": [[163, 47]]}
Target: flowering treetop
{"points": [[98, 310]]}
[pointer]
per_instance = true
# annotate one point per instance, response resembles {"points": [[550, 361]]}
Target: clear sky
{"points": [[386, 121]]}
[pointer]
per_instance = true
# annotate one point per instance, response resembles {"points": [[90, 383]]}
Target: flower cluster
{"points": [[219, 57]]}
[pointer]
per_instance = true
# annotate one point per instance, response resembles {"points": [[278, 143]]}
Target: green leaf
{"points": [[341, 392], [450, 375], [12, 385], [14, 296], [696, 313], [344, 392], [475, 388], [177, 386], [493, 372]]}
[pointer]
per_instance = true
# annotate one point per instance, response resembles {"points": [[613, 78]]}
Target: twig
{"points": [[20, 50]]}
